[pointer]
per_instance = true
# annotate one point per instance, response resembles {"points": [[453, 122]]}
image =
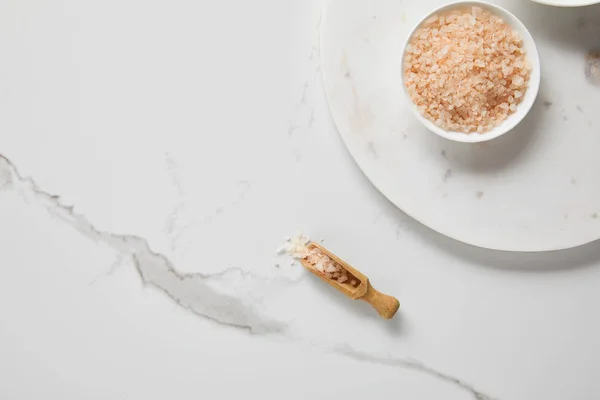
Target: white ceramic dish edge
{"points": [[559, 3]]}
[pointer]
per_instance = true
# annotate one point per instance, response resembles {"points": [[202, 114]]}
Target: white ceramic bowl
{"points": [[568, 3], [530, 95]]}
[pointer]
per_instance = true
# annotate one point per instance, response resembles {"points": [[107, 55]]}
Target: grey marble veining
{"points": [[229, 297]]}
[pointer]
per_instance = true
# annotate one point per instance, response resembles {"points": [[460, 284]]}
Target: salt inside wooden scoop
{"points": [[328, 267], [466, 70], [298, 248]]}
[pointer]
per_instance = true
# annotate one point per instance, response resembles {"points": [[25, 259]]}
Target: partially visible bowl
{"points": [[528, 98], [568, 3]]}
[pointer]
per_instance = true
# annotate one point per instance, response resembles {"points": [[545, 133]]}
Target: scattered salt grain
{"points": [[295, 246], [462, 67]]}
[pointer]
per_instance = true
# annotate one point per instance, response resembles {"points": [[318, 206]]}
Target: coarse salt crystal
{"points": [[326, 266], [518, 80], [295, 246]]}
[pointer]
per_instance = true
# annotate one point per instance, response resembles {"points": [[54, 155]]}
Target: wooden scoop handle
{"points": [[385, 305]]}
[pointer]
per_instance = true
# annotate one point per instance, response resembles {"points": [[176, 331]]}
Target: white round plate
{"points": [[536, 188]]}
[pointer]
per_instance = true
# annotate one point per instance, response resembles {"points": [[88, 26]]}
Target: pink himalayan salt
{"points": [[466, 70], [328, 267]]}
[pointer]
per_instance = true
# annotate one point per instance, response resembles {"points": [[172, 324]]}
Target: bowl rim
{"points": [[583, 3], [532, 89]]}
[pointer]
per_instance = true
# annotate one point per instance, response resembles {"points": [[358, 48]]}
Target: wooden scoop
{"points": [[385, 305]]}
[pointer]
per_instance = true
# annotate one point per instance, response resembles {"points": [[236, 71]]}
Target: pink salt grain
{"points": [[466, 70], [326, 266]]}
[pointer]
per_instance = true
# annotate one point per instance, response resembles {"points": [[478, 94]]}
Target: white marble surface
{"points": [[154, 154]]}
